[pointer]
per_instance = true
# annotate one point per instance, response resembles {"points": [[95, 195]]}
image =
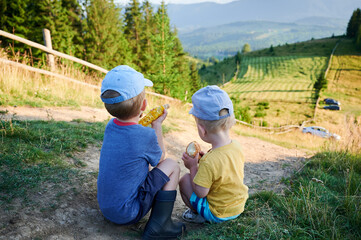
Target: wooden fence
{"points": [[47, 40]]}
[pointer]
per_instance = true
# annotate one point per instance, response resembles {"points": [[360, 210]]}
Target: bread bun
{"points": [[192, 149]]}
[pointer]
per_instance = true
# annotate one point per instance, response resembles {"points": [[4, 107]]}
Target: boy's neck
{"points": [[219, 139], [133, 119]]}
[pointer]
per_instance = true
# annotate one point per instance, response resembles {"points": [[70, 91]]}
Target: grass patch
{"points": [[323, 202], [33, 152], [21, 87]]}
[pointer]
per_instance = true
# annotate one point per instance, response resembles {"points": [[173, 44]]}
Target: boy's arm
{"points": [[157, 126], [192, 165]]}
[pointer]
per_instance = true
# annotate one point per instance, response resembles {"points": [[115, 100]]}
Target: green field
{"points": [[285, 78], [281, 77]]}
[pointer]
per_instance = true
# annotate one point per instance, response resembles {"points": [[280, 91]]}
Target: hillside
{"points": [[226, 40], [344, 85], [276, 84]]}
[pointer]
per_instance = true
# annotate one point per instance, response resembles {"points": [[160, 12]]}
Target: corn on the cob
{"points": [[153, 115]]}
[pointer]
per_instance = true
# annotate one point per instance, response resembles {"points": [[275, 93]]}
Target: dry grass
{"points": [[22, 87], [294, 139]]}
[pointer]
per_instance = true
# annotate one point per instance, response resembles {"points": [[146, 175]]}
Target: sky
{"points": [[178, 1]]}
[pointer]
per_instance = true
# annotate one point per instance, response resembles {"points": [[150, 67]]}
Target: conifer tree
{"points": [[237, 58], [148, 28], [62, 18], [353, 24], [165, 74], [13, 19], [105, 44], [358, 38], [44, 14], [74, 14], [195, 80], [181, 64], [133, 30]]}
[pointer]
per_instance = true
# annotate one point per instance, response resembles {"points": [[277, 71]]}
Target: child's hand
{"points": [[190, 162], [160, 120]]}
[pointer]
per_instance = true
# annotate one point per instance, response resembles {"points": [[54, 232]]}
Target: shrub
{"points": [[263, 123], [243, 114], [265, 105], [260, 113]]}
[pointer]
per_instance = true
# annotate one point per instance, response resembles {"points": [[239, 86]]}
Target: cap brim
{"points": [[148, 83], [191, 111]]}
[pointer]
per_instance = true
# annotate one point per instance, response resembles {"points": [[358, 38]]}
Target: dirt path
{"points": [[77, 216]]}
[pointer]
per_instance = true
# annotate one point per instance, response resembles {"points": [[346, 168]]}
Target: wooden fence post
{"points": [[47, 43]]}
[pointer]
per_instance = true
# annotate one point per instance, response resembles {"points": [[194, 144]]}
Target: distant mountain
{"points": [[225, 40], [188, 17]]}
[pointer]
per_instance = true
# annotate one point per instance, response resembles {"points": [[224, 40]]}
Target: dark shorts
{"points": [[154, 182]]}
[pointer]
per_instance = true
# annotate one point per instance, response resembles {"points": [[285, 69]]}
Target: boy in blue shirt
{"points": [[127, 190]]}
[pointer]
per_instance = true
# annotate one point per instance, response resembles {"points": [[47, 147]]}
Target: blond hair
{"points": [[126, 109], [218, 125]]}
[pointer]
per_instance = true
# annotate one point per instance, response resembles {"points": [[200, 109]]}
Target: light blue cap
{"points": [[209, 101], [126, 81]]}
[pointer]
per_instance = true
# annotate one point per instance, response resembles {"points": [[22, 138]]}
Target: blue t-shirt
{"points": [[124, 162]]}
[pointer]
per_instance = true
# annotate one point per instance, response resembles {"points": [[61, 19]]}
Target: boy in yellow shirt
{"points": [[213, 189]]}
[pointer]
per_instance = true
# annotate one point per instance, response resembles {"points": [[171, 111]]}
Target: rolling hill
{"points": [[225, 40], [274, 86]]}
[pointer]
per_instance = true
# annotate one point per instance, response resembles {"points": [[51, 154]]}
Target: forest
{"points": [[104, 34]]}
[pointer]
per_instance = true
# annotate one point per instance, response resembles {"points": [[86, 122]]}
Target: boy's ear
{"points": [[144, 105]]}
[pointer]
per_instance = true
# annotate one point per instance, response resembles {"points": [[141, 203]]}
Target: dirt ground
{"points": [[76, 216]]}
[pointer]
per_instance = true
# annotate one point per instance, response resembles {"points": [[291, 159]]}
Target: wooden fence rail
{"points": [[63, 55], [48, 50]]}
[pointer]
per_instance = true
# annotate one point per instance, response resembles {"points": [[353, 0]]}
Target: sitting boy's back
{"points": [[127, 190], [124, 164], [222, 170]]}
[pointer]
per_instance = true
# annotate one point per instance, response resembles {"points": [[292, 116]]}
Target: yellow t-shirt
{"points": [[222, 171]]}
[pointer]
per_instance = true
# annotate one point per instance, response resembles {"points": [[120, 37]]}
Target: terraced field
{"points": [[278, 78]]}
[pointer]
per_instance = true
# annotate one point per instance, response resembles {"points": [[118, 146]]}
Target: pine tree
{"points": [[237, 58], [132, 31], [354, 23], [74, 14], [3, 15], [181, 64], [195, 80], [105, 44], [148, 28], [358, 38], [45, 14], [14, 19], [165, 74]]}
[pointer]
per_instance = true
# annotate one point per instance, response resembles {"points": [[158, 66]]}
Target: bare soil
{"points": [[74, 214]]}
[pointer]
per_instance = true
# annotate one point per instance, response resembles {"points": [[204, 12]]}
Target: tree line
{"points": [[354, 27], [104, 34]]}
